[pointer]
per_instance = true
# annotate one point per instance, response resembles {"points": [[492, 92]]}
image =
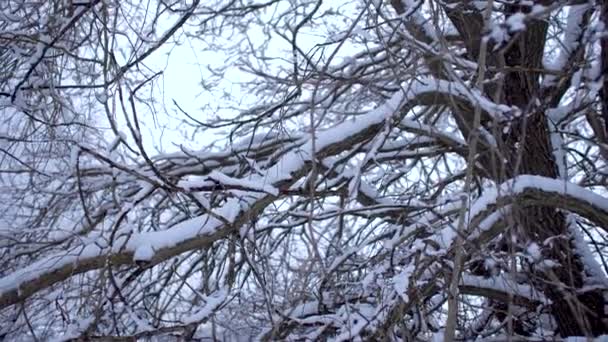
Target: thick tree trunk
{"points": [[529, 149], [604, 45], [576, 314]]}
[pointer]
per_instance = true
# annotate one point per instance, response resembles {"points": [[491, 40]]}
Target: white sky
{"points": [[185, 66]]}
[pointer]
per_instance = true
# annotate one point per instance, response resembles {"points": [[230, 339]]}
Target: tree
{"points": [[397, 170]]}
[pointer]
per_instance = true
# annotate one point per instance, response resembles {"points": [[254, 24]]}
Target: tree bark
{"points": [[604, 45], [529, 149]]}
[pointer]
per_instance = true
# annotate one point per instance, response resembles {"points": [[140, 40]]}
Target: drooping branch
{"points": [[202, 231]]}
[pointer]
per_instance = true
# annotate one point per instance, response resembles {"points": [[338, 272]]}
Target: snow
{"points": [[355, 320], [412, 13], [74, 330], [431, 131], [378, 141], [592, 267], [557, 143], [230, 211], [516, 22], [401, 282], [504, 285], [603, 338], [141, 324], [144, 245], [212, 303], [257, 184], [498, 34], [183, 227], [47, 265], [291, 166], [216, 179], [206, 225], [570, 43], [114, 144], [144, 252], [533, 251], [303, 309], [499, 111], [189, 229], [517, 186], [525, 182], [74, 154]]}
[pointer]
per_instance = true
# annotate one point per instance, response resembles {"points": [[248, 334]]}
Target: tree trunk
{"points": [[528, 146], [604, 45]]}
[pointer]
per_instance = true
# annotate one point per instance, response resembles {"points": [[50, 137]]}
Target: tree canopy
{"points": [[401, 170]]}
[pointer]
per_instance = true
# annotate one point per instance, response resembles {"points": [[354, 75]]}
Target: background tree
{"points": [[397, 170]]}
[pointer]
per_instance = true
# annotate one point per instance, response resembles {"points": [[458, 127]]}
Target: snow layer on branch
{"points": [[504, 285], [197, 226], [150, 243], [571, 41], [593, 269], [213, 302], [517, 186], [525, 182], [217, 178], [401, 282], [257, 183], [432, 131], [33, 271], [74, 330]]}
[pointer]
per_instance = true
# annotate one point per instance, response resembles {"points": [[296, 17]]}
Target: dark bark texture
{"points": [[527, 146]]}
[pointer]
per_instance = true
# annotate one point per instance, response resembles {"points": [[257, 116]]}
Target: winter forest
{"points": [[362, 170]]}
